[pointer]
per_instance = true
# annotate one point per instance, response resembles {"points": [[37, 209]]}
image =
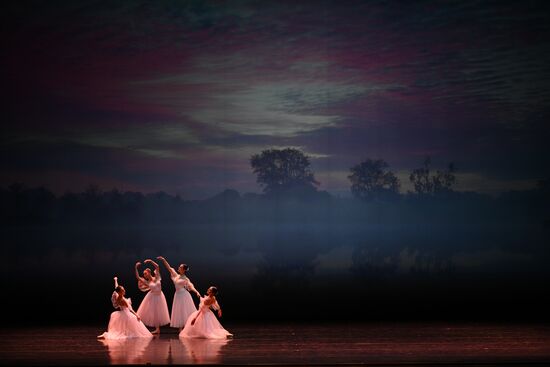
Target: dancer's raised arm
{"points": [[116, 282], [139, 279], [142, 282], [168, 267], [156, 266]]}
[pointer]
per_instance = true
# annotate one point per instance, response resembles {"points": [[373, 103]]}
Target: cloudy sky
{"points": [[177, 95]]}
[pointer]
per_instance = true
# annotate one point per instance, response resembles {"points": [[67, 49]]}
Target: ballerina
{"points": [[153, 310], [183, 304], [124, 323], [203, 323]]}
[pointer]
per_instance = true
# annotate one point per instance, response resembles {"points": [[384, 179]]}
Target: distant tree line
{"points": [[290, 195], [287, 171]]}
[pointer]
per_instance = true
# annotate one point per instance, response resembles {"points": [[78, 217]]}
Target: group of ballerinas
{"points": [[153, 310]]}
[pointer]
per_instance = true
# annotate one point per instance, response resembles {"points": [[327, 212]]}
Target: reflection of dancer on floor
{"points": [[127, 351], [124, 323], [153, 310], [202, 351], [203, 323], [183, 304]]}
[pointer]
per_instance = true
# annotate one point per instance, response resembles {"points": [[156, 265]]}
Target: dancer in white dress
{"points": [[183, 304], [153, 310], [124, 323], [203, 323]]}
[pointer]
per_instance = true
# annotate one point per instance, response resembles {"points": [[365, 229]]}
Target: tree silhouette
{"points": [[426, 182], [374, 263], [280, 171], [370, 179]]}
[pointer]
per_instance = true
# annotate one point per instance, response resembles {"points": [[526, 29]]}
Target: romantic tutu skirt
{"points": [[206, 326], [154, 310], [182, 307], [124, 324]]}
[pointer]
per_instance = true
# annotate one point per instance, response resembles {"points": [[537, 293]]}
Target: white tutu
{"points": [[153, 310], [124, 324], [206, 325], [182, 307]]}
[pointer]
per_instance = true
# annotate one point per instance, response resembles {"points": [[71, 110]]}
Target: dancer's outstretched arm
{"points": [[166, 265], [116, 282], [191, 287], [134, 312], [216, 306]]}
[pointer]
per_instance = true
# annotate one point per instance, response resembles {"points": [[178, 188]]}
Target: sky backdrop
{"points": [[177, 95]]}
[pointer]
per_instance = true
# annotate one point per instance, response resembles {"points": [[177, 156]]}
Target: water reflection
{"points": [[164, 351]]}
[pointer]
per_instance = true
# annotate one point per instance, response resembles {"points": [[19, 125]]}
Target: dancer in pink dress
{"points": [[183, 304], [203, 323], [153, 310], [124, 323]]}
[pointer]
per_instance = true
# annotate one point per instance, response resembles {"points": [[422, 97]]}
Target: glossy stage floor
{"points": [[327, 344]]}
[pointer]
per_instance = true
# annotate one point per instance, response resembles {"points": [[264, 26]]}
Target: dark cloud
{"points": [[153, 94]]}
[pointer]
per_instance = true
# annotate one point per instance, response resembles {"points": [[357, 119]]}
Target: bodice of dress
{"points": [[181, 282], [155, 286], [204, 307], [114, 299]]}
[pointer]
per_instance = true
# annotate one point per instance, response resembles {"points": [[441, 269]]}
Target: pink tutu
{"points": [[182, 307], [153, 310], [206, 325], [124, 324]]}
